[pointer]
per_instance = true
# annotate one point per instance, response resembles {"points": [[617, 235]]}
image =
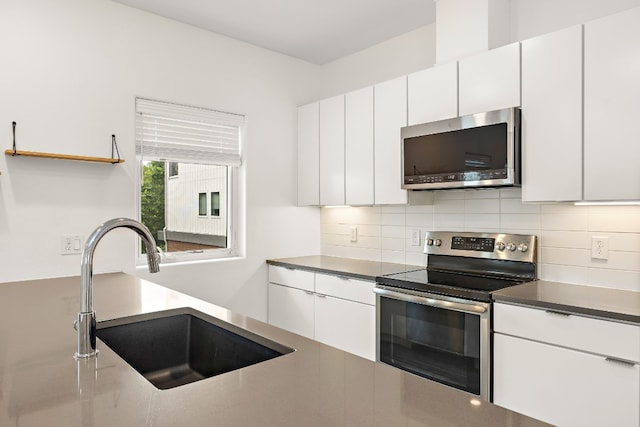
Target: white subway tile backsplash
{"points": [[482, 206], [565, 239], [564, 230], [520, 221], [626, 222], [618, 279], [420, 220], [481, 221], [564, 221], [449, 206], [448, 221], [396, 231], [515, 206]]}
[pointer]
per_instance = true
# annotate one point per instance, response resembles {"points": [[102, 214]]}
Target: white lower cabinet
{"points": [[292, 309], [339, 311], [346, 325], [565, 384]]}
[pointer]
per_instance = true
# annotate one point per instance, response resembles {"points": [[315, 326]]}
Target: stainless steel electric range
{"points": [[436, 322]]}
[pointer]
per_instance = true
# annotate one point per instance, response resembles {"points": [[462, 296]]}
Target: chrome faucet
{"points": [[85, 324]]}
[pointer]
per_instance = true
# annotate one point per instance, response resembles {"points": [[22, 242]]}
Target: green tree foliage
{"points": [[152, 197]]}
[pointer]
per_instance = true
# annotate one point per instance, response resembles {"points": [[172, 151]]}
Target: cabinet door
{"points": [[433, 94], [564, 387], [552, 116], [347, 325], [359, 147], [332, 151], [612, 107], [390, 116], [490, 80], [309, 155], [291, 309]]}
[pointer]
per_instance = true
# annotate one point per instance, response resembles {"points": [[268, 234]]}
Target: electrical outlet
{"points": [[71, 245], [354, 234], [599, 247], [415, 237]]}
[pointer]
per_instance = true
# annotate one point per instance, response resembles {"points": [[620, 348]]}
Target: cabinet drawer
{"points": [[291, 277], [564, 387], [346, 288], [614, 339]]}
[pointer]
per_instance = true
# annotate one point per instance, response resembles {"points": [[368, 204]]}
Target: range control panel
{"points": [[516, 247]]}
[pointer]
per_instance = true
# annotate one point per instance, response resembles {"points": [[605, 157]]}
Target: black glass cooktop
{"points": [[465, 285]]}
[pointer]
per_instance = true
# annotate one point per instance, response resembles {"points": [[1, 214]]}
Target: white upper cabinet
{"points": [[390, 115], [612, 107], [359, 147], [332, 170], [309, 155], [433, 94], [490, 80], [552, 116]]}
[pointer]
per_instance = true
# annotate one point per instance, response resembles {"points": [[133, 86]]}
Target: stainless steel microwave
{"points": [[478, 150]]}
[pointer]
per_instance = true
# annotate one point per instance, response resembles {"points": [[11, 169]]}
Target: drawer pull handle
{"points": [[289, 268], [623, 362], [321, 296], [343, 277], [308, 292], [557, 313]]}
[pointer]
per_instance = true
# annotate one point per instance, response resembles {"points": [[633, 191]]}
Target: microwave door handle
{"points": [[433, 302]]}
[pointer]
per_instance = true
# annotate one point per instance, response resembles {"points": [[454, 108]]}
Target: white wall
{"points": [[395, 57], [70, 72]]}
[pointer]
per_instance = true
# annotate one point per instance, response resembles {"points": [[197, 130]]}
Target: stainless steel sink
{"points": [[176, 347]]}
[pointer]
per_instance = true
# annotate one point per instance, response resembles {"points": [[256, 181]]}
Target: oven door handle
{"points": [[433, 302]]}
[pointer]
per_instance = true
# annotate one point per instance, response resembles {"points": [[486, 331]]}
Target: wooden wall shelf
{"points": [[63, 156]]}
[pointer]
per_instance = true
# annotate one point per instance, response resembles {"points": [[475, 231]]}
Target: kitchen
{"points": [[70, 94]]}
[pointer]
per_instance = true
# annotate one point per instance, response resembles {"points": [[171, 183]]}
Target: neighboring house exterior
{"points": [[196, 207]]}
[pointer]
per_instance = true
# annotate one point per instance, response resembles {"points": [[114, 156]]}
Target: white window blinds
{"points": [[179, 133]]}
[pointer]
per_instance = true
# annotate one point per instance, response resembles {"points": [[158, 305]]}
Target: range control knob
{"points": [[511, 247], [429, 242], [522, 247], [500, 246], [437, 242]]}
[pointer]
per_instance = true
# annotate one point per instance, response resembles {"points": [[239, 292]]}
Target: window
{"points": [[202, 204], [173, 169], [215, 203], [183, 152]]}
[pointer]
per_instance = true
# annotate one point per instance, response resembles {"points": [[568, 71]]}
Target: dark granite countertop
{"points": [[356, 268], [604, 303], [42, 384]]}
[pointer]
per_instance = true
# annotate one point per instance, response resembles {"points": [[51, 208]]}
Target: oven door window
{"points": [[442, 345]]}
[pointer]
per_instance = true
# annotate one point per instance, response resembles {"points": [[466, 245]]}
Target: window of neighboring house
{"points": [[215, 203], [202, 204], [173, 169], [182, 151]]}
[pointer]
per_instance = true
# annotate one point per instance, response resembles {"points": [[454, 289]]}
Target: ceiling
{"points": [[318, 31]]}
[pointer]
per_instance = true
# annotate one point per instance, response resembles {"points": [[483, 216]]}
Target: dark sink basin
{"points": [[176, 347]]}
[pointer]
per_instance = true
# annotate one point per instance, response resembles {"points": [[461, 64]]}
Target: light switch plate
{"points": [[354, 234], [71, 244]]}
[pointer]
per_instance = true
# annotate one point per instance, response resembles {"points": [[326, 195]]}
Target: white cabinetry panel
{"points": [[390, 116], [359, 147], [433, 94], [612, 107], [309, 155], [552, 116], [291, 309], [564, 387], [332, 151], [490, 80], [346, 325]]}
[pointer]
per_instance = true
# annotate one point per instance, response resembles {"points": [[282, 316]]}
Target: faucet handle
{"points": [[75, 324]]}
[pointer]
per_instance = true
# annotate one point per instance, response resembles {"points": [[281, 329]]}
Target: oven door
{"points": [[442, 338]]}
